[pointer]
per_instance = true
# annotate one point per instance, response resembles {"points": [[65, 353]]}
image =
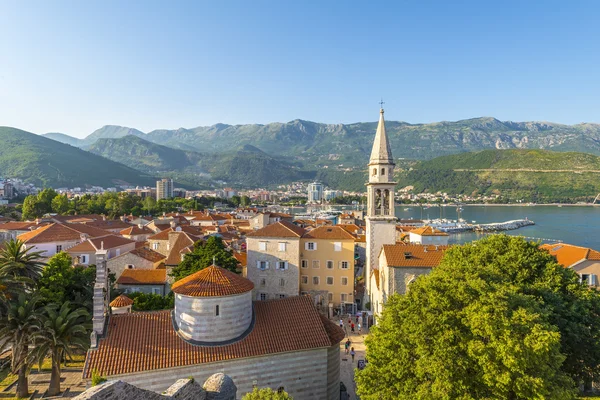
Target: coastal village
{"points": [[303, 288]]}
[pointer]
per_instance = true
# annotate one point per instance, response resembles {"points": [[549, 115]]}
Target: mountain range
{"points": [[314, 145]]}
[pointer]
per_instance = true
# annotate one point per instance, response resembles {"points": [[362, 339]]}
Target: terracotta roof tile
{"points": [[162, 235], [242, 257], [51, 233], [136, 230], [212, 281], [147, 254], [121, 301], [335, 333], [91, 231], [413, 255], [428, 231], [328, 232], [109, 224], [278, 229], [568, 254], [143, 277], [83, 247], [182, 242], [146, 341], [18, 226], [110, 241]]}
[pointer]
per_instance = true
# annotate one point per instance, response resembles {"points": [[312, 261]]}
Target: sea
{"points": [[578, 225]]}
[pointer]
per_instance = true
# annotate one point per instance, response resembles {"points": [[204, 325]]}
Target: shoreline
{"points": [[529, 205]]}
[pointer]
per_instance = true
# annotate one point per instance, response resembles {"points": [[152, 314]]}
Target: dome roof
{"points": [[221, 384], [121, 301], [212, 282]]}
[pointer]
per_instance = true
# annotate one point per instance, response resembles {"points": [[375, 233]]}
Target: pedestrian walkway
{"points": [[347, 367]]}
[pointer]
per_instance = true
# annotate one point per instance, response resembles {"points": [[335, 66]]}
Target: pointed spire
{"points": [[382, 152]]}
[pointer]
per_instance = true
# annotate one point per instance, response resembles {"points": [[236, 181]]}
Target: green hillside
{"points": [[48, 163], [247, 167], [530, 175]]}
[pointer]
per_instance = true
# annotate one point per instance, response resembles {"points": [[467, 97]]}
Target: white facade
{"points": [[380, 218], [315, 192], [164, 189], [440, 240]]}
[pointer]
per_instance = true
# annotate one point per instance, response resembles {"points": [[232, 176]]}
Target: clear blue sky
{"points": [[74, 66]]}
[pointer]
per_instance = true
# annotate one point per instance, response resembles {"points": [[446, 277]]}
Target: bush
{"points": [[151, 302], [97, 379]]}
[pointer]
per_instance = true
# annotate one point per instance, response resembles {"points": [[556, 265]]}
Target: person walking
{"points": [[352, 353], [352, 327], [347, 346], [359, 329], [341, 323]]}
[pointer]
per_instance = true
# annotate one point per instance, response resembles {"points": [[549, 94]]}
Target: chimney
{"points": [[173, 224], [141, 226], [103, 217], [37, 221], [424, 249], [100, 298], [123, 218], [164, 214], [82, 237]]}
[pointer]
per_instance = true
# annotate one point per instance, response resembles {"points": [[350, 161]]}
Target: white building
{"points": [[164, 189], [428, 235], [315, 192]]}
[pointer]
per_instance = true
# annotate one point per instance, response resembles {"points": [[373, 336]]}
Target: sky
{"points": [[74, 66]]}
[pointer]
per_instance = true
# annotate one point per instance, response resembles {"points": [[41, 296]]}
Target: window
{"points": [[282, 265], [84, 259], [315, 280], [282, 282], [217, 310], [262, 246], [329, 264], [304, 263], [263, 282], [330, 297], [330, 280], [343, 297], [156, 290], [311, 246], [155, 246], [374, 171], [344, 281], [304, 279], [280, 389], [282, 296], [130, 266], [282, 246], [316, 264], [382, 171], [337, 246], [58, 248], [589, 279], [263, 296], [262, 265], [344, 265], [118, 252], [303, 293]]}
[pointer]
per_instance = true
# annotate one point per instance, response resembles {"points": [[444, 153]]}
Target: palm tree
{"points": [[58, 332], [21, 262], [16, 329]]}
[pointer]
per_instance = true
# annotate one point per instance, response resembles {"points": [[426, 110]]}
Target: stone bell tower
{"points": [[381, 219]]}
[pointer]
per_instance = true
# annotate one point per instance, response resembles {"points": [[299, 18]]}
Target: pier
{"points": [[503, 226]]}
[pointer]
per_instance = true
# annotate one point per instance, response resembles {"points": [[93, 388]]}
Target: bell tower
{"points": [[380, 218]]}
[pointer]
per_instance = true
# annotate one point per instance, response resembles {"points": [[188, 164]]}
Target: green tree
{"points": [[202, 256], [57, 333], [56, 278], [60, 204], [32, 208], [498, 318], [245, 201], [266, 394], [16, 330], [21, 262], [149, 205]]}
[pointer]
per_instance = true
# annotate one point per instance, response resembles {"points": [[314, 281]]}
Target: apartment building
{"points": [[164, 189], [273, 255], [327, 266]]}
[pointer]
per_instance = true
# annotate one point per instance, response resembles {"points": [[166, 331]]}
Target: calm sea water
{"points": [[575, 225]]}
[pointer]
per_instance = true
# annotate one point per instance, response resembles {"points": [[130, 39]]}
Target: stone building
{"points": [[380, 218], [584, 261], [140, 258], [399, 265], [215, 326], [428, 235], [273, 260]]}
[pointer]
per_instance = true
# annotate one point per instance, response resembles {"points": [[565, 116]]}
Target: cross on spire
{"points": [[381, 103]]}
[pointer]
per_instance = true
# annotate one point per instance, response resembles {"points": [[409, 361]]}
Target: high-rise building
{"points": [[315, 192], [380, 218], [164, 189]]}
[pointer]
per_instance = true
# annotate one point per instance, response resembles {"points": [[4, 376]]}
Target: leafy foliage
{"points": [[151, 302], [203, 255], [499, 318], [266, 394]]}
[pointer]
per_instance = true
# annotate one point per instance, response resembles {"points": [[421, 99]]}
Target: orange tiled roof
{"points": [[121, 301], [143, 277], [135, 230], [413, 255], [110, 241], [242, 257], [83, 247], [51, 233], [212, 281], [146, 341], [328, 232], [108, 224], [147, 254], [278, 229], [428, 231], [89, 230], [18, 226], [162, 235], [181, 243], [568, 254]]}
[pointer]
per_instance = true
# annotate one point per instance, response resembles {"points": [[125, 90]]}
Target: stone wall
{"points": [[118, 264], [196, 317], [268, 281], [333, 371], [401, 277], [183, 389], [304, 375]]}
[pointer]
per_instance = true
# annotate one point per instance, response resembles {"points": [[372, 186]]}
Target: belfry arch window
{"points": [[378, 202], [386, 202], [382, 171], [374, 171]]}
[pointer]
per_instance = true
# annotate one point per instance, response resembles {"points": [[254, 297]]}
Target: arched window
{"points": [[374, 171], [378, 201], [386, 202], [382, 171]]}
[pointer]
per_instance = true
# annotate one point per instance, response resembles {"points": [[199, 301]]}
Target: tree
{"points": [[245, 201], [57, 332], [202, 256], [498, 318], [16, 329], [60, 204], [266, 394], [32, 208], [20, 261]]}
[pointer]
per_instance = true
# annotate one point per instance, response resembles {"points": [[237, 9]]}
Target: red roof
{"points": [[328, 232], [121, 301], [413, 255], [279, 229], [212, 281], [146, 341], [143, 277]]}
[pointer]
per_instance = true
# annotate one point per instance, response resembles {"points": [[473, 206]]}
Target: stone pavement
{"points": [[70, 378], [347, 367]]}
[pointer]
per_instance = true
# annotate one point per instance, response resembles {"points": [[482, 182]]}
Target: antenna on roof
{"points": [[214, 260], [102, 245]]}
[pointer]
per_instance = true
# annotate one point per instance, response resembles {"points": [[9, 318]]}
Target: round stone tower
{"points": [[213, 305]]}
